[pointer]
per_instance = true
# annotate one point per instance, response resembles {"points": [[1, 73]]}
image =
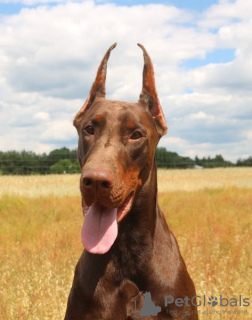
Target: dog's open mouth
{"points": [[100, 228]]}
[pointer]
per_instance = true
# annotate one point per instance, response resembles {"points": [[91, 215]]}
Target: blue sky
{"points": [[197, 5], [215, 56], [201, 50], [10, 8]]}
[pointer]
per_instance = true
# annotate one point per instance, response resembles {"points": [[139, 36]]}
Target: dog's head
{"points": [[117, 142]]}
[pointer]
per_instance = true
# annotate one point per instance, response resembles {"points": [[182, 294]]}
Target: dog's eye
{"points": [[89, 130], [136, 135]]}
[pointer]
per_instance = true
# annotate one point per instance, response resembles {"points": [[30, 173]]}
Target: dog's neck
{"points": [[144, 207], [136, 230]]}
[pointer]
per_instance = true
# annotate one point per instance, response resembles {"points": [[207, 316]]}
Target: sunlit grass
{"points": [[40, 240], [40, 185], [168, 180], [40, 244], [198, 179], [214, 231]]}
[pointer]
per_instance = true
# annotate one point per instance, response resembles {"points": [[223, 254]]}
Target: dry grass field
{"points": [[210, 212]]}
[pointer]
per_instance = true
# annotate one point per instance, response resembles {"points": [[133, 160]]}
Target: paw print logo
{"points": [[213, 301]]}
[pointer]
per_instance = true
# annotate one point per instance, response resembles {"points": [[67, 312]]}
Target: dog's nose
{"points": [[98, 179]]}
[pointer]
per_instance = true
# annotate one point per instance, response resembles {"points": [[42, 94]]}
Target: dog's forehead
{"points": [[124, 112]]}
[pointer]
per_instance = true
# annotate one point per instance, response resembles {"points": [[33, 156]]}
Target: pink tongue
{"points": [[99, 229]]}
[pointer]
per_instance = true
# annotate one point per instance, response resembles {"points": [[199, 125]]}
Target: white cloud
{"points": [[226, 12], [43, 116], [202, 115], [49, 57], [60, 131]]}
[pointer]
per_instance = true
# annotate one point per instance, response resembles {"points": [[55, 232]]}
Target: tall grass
{"points": [[214, 231], [40, 245], [168, 180]]}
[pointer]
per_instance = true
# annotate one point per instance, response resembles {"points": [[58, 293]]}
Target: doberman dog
{"points": [[129, 248]]}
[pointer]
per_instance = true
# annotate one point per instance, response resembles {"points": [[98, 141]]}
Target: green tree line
{"points": [[64, 160]]}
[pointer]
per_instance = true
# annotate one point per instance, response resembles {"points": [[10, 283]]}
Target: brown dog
{"points": [[131, 266]]}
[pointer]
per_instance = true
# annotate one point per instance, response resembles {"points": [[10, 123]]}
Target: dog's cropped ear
{"points": [[149, 95], [98, 88]]}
